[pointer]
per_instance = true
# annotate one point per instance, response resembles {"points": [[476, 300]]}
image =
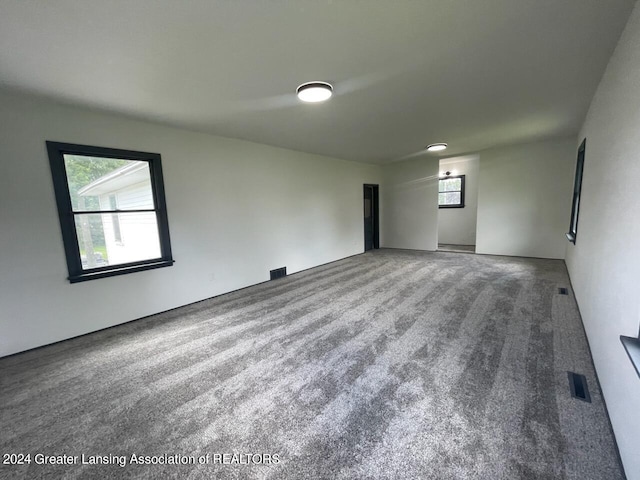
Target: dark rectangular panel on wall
{"points": [[278, 273]]}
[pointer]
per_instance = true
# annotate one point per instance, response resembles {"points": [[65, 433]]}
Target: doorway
{"points": [[458, 203], [371, 218]]}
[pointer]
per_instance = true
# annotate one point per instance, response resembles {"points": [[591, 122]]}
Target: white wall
{"points": [[410, 204], [604, 265], [524, 199], [236, 210], [457, 226]]}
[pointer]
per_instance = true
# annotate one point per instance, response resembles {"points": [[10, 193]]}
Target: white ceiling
{"points": [[473, 73]]}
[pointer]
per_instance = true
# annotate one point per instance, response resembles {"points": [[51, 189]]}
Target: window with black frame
{"points": [[577, 188], [451, 191], [112, 210]]}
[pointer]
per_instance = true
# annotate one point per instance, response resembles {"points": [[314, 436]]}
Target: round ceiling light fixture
{"points": [[436, 147], [314, 92]]}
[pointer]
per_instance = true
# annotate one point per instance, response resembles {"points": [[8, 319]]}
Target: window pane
{"points": [[577, 186], [450, 184], [111, 208], [97, 183], [449, 198], [113, 239]]}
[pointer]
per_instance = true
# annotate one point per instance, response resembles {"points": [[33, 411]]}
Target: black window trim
{"points": [[457, 205], [572, 234], [56, 151]]}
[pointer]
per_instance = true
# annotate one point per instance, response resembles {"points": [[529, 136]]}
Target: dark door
{"points": [[371, 234]]}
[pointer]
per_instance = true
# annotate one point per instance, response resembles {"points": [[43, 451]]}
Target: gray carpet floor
{"points": [[388, 365]]}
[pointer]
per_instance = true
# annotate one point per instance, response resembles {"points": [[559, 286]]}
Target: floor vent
{"points": [[563, 291], [578, 386], [278, 273]]}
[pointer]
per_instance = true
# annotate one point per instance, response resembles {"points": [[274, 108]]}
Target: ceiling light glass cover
{"points": [[314, 92], [436, 147]]}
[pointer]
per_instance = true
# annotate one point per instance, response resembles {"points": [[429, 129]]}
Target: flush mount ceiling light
{"points": [[436, 147], [314, 92]]}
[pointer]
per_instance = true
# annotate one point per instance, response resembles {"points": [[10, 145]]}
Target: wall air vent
{"points": [[278, 273], [563, 291], [578, 386]]}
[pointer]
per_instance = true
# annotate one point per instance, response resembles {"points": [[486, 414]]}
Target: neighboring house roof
{"points": [[130, 174]]}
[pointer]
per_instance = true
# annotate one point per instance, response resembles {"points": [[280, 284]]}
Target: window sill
{"points": [[450, 206], [632, 346], [122, 270]]}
